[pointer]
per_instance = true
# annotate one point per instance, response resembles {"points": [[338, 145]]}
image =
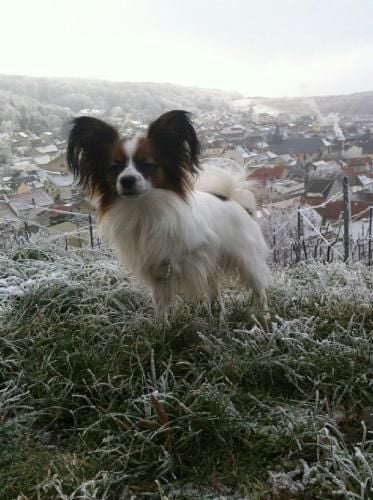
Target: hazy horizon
{"points": [[287, 49], [96, 79]]}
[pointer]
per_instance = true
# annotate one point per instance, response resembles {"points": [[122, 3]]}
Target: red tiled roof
{"points": [[354, 171], [263, 174], [349, 171], [333, 209], [354, 162]]}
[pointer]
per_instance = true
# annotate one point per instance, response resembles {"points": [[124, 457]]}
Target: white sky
{"points": [[259, 47]]}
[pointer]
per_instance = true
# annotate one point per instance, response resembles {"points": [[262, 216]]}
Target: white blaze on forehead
{"points": [[130, 146]]}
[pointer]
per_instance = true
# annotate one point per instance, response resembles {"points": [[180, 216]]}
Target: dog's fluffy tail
{"points": [[229, 184]]}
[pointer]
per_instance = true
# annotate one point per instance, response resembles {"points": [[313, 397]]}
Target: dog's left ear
{"points": [[175, 141]]}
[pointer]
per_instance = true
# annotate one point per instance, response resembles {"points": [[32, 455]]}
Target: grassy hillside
{"points": [[99, 401]]}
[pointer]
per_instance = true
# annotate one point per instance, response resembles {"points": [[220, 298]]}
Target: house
{"points": [[24, 165], [306, 149], [9, 215], [60, 186], [233, 133], [290, 203], [23, 188], [30, 181], [367, 149], [361, 183], [241, 156], [22, 139], [213, 152], [261, 145], [50, 149], [265, 118], [213, 148], [320, 190], [47, 138], [353, 151], [55, 163], [287, 188], [268, 174], [6, 184], [42, 161], [56, 214], [252, 140], [285, 159], [356, 166], [25, 202], [322, 169], [264, 176], [334, 209]]}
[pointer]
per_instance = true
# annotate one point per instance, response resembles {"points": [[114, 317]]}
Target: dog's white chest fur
{"points": [[159, 236], [179, 246]]}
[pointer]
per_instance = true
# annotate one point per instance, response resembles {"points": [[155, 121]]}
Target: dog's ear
{"points": [[175, 141], [89, 151]]}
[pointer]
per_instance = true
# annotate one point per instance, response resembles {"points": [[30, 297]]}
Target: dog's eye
{"points": [[117, 167], [144, 166]]}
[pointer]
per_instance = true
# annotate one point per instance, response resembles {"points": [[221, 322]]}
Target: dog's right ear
{"points": [[89, 150]]}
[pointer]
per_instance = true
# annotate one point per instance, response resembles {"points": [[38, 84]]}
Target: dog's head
{"points": [[107, 167]]}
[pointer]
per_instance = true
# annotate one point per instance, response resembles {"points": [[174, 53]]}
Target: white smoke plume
{"points": [[332, 119]]}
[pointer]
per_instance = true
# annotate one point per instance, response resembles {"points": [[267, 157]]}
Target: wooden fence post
{"points": [[370, 237], [299, 227], [274, 246], [91, 230], [346, 218]]}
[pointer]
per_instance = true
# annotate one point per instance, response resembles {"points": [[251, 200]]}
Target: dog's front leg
{"points": [[161, 296]]}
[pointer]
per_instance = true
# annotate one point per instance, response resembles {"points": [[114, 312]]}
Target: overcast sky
{"points": [[258, 47]]}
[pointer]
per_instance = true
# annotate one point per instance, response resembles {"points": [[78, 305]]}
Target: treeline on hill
{"points": [[37, 104]]}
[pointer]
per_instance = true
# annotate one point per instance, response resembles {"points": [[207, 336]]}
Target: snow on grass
{"points": [[99, 400]]}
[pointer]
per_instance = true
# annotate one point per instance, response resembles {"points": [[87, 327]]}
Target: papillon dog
{"points": [[177, 227]]}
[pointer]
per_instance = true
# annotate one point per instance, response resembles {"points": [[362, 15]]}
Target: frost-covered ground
{"points": [[98, 400]]}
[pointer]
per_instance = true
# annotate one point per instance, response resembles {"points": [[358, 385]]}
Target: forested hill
{"points": [[40, 103]]}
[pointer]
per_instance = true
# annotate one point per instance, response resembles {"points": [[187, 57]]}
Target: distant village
{"points": [[294, 161]]}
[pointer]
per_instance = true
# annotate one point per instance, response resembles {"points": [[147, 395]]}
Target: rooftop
{"points": [[298, 145]]}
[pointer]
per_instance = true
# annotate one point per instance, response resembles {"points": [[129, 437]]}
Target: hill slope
{"points": [[99, 401], [359, 104], [38, 103]]}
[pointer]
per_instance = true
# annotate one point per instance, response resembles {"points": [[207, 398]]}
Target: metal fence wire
{"points": [[293, 237]]}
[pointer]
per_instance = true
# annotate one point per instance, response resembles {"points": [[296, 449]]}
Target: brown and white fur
{"points": [[177, 236]]}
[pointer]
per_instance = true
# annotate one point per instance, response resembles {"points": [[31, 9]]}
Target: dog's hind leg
{"points": [[256, 276]]}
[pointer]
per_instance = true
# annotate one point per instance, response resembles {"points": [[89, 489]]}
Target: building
{"points": [[266, 175], [304, 149], [55, 163], [287, 188], [233, 133], [367, 149], [320, 190], [241, 156], [9, 215], [25, 202], [60, 187]]}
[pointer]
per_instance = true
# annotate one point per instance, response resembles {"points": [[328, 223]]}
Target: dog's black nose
{"points": [[128, 181]]}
